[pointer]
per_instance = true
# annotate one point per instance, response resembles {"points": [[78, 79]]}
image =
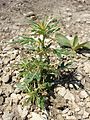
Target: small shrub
{"points": [[37, 71]]}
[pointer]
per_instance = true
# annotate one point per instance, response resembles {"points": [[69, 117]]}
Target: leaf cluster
{"points": [[73, 44]]}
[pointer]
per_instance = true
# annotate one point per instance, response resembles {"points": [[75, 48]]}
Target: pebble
{"points": [[1, 63], [6, 60], [65, 111], [88, 104], [22, 112], [35, 116], [69, 96], [85, 115], [15, 97], [88, 110], [7, 48], [1, 100], [7, 116], [75, 107], [1, 91], [87, 67], [71, 86], [59, 117], [7, 78], [83, 94], [29, 14], [61, 91], [70, 117]]}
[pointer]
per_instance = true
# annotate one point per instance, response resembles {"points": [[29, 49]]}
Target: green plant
{"points": [[73, 44], [37, 70]]}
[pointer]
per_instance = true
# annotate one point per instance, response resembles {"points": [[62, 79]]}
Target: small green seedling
{"points": [[73, 44], [37, 71]]}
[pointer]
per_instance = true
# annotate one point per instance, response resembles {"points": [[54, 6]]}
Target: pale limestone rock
{"points": [[83, 94], [61, 91], [69, 96], [85, 115]]}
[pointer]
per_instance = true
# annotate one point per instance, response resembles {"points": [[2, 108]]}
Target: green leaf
{"points": [[87, 45], [22, 86], [33, 76], [40, 102], [61, 52], [62, 40], [25, 40], [80, 46], [75, 41]]}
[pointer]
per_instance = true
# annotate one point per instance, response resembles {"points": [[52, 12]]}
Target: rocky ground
{"points": [[71, 103]]}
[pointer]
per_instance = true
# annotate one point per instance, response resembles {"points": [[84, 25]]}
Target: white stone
{"points": [[70, 85], [29, 14], [1, 100], [70, 117], [69, 96], [35, 116], [7, 48], [6, 60], [88, 104], [7, 116], [87, 67], [83, 94], [77, 87], [59, 117], [6, 78], [14, 97], [61, 91], [85, 115], [81, 104], [22, 112], [76, 107], [1, 91], [65, 111]]}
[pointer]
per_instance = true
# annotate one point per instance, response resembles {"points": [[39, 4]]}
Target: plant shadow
{"points": [[84, 50], [69, 78]]}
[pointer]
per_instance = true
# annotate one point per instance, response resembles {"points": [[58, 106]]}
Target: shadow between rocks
{"points": [[65, 79], [69, 78]]}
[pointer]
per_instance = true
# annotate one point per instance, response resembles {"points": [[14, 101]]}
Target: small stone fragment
{"points": [[70, 85], [83, 94], [15, 97], [88, 105], [29, 14], [65, 111], [85, 115], [61, 91], [6, 60], [59, 117], [22, 112], [35, 116], [70, 117], [7, 78], [1, 100], [87, 67], [69, 96], [7, 116]]}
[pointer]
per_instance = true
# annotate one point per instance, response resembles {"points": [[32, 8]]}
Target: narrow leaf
{"points": [[87, 45], [75, 41], [62, 40]]}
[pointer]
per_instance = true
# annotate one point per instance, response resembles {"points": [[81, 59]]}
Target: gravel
{"points": [[68, 104]]}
